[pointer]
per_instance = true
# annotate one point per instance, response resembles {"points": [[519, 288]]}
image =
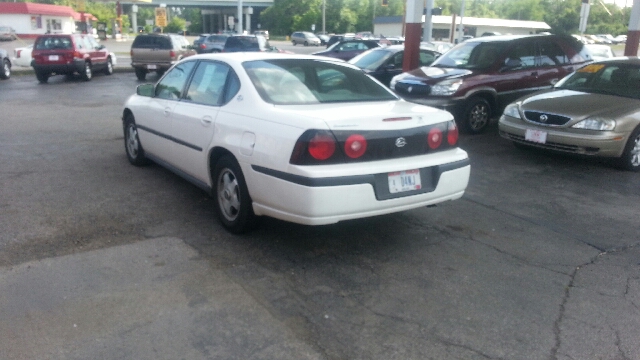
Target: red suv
{"points": [[476, 79], [56, 54]]}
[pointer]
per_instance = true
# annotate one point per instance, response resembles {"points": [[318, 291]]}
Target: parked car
{"points": [[339, 37], [158, 52], [264, 33], [199, 40], [594, 111], [620, 39], [291, 137], [5, 72], [439, 46], [477, 78], [324, 39], [383, 63], [7, 33], [599, 51], [212, 44], [244, 43], [305, 38], [22, 56], [69, 54], [347, 49]]}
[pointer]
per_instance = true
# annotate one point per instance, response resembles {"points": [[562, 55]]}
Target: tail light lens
{"points": [[434, 138], [18, 53], [131, 53], [355, 146], [321, 146], [202, 46], [172, 54], [452, 133]]}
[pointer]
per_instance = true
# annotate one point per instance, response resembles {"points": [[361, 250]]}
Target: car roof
{"points": [[237, 58], [495, 38], [622, 60]]}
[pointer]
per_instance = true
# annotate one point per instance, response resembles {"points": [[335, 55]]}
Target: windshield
{"points": [[472, 55], [307, 81], [371, 60], [612, 79]]}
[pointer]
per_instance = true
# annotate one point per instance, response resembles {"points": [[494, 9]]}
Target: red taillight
{"points": [[434, 138], [172, 54], [131, 53], [77, 54], [203, 46], [18, 53], [355, 146], [452, 133], [321, 147]]}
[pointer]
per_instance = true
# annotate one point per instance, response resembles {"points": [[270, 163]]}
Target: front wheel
{"points": [[6, 70], [476, 116], [109, 69], [87, 74], [231, 196], [132, 145], [630, 159]]}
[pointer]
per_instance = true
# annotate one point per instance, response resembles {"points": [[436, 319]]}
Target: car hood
{"points": [[425, 73], [579, 105], [384, 115]]}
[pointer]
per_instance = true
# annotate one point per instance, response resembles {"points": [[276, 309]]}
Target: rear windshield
{"points": [[53, 42], [244, 43], [152, 42], [306, 82]]}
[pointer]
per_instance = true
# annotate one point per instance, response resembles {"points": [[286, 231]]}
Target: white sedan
{"points": [[299, 138]]}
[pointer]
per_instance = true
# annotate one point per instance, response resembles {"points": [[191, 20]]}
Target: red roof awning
{"points": [[35, 9]]}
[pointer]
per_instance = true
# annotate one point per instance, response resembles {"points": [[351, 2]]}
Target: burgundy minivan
{"points": [[57, 54], [476, 79]]}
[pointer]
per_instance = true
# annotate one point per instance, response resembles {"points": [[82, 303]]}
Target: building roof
{"points": [[470, 21], [42, 9]]}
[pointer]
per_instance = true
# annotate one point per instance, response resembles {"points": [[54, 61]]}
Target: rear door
{"points": [[515, 81]]}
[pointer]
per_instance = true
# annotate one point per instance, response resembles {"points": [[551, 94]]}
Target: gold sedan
{"points": [[594, 111]]}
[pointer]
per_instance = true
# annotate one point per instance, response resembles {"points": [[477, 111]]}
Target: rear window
{"points": [[152, 42], [244, 43], [53, 42], [306, 82]]}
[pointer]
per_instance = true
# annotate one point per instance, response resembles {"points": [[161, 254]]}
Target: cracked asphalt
{"points": [[99, 259]]}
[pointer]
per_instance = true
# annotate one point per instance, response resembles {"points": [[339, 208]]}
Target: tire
{"points": [[109, 69], [231, 196], [132, 145], [630, 159], [476, 116], [42, 77], [6, 70], [87, 74], [306, 43], [294, 43], [141, 74]]}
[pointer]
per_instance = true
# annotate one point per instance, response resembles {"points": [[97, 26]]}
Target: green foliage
{"points": [[176, 25]]}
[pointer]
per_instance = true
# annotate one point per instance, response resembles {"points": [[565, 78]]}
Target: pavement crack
{"points": [[466, 347], [621, 353], [558, 229], [556, 323]]}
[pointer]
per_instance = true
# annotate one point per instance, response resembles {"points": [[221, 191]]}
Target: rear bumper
{"points": [[318, 201], [76, 66]]}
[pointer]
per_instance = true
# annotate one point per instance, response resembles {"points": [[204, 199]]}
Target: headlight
{"points": [[596, 123], [513, 111], [446, 87]]}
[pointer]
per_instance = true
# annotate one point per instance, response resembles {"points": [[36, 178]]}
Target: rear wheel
{"points": [[42, 77], [231, 196], [109, 69], [87, 74], [141, 74], [630, 159], [294, 43], [6, 69], [476, 116]]}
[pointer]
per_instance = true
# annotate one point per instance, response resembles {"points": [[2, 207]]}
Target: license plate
{"points": [[54, 58], [404, 181], [536, 136], [151, 67]]}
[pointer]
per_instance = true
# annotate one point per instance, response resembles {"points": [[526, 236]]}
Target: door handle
{"points": [[206, 120], [167, 111]]}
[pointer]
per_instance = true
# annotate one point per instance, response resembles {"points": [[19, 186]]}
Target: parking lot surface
{"points": [[100, 259]]}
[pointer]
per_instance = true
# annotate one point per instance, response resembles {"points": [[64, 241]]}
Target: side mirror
{"points": [[389, 67], [147, 90]]}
